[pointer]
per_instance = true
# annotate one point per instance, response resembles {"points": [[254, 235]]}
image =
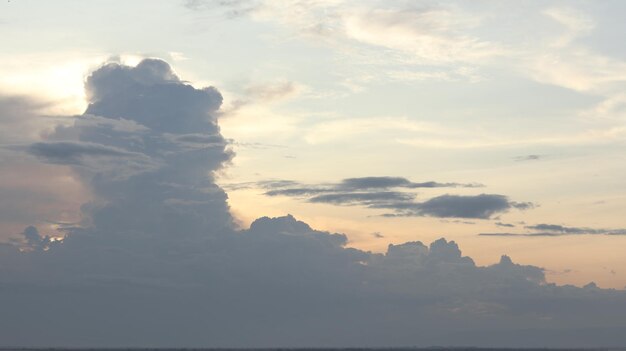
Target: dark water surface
{"points": [[434, 348]]}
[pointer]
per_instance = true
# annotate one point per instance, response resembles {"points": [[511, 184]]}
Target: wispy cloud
{"points": [[532, 157], [433, 35], [543, 229]]}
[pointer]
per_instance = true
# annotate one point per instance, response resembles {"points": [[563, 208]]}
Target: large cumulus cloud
{"points": [[157, 261]]}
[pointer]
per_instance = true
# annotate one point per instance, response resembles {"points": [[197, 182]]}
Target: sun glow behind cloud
{"points": [[54, 78]]}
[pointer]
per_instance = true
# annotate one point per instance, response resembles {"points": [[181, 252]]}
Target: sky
{"points": [[312, 173]]}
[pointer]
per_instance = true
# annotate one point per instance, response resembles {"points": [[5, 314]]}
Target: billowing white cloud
{"points": [[157, 261]]}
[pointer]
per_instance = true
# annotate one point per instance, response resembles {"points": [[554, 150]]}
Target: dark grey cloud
{"points": [[96, 157], [559, 230], [391, 193], [397, 182], [300, 192], [481, 206], [289, 187], [157, 261], [199, 139], [34, 241], [537, 234], [362, 198], [375, 183], [507, 225], [459, 221], [69, 152], [532, 157], [505, 234], [556, 228]]}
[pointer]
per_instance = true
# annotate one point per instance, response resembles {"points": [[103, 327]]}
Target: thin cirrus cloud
{"points": [[543, 229], [157, 261], [429, 41], [450, 41], [428, 33]]}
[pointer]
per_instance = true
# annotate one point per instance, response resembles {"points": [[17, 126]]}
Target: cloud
{"points": [[371, 199], [527, 158], [395, 182], [378, 235], [507, 225], [430, 35], [274, 91], [435, 34], [481, 206], [20, 118], [374, 192], [31, 192], [292, 188], [231, 8], [145, 134], [576, 23], [459, 221], [72, 152], [93, 156], [119, 124], [559, 230], [428, 41], [555, 228], [565, 62], [262, 93], [448, 41], [156, 260], [34, 241]]}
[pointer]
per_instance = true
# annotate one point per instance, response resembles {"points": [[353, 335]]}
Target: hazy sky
{"points": [[497, 125]]}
